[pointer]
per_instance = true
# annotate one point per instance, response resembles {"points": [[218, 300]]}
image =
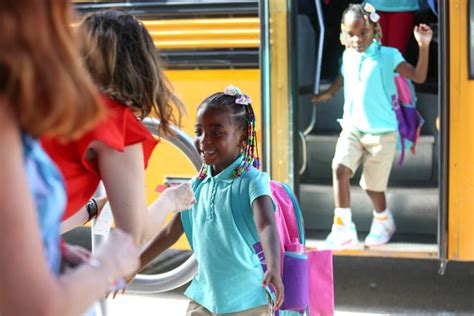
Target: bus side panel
{"points": [[461, 139], [193, 86]]}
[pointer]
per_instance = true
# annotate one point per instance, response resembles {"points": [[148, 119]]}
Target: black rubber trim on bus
{"points": [[177, 9], [211, 59]]}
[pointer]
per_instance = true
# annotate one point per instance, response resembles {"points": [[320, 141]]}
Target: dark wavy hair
{"points": [[123, 61]]}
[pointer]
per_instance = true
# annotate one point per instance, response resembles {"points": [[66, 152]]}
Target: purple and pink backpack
{"points": [[408, 117], [404, 104]]}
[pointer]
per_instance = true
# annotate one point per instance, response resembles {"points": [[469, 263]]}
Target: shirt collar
{"points": [[372, 50], [227, 173]]}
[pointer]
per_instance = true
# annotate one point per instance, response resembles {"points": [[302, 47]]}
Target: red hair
{"points": [[40, 71]]}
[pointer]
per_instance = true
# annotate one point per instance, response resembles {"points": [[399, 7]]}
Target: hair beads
{"points": [[378, 32], [249, 152]]}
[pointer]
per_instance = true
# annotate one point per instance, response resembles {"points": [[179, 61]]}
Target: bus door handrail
{"points": [[317, 80]]}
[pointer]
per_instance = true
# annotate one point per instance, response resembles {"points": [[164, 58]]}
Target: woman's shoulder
{"points": [[114, 106], [121, 127]]}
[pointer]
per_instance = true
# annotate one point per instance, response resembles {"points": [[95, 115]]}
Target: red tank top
{"points": [[119, 129]]}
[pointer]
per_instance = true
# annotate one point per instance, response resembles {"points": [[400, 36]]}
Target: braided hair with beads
{"points": [[240, 110]]}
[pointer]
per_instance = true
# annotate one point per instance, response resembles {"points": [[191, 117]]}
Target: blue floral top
{"points": [[47, 186]]}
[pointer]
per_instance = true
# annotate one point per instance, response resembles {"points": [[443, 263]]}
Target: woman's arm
{"points": [[423, 35], [81, 217], [265, 221], [27, 287], [124, 180]]}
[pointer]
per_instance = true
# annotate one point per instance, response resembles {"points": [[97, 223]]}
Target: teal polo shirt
{"points": [[395, 5], [229, 274], [367, 106]]}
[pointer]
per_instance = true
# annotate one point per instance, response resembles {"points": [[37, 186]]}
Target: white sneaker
{"points": [[342, 236], [381, 231]]}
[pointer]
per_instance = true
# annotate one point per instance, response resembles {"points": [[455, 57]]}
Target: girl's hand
{"points": [[128, 280], [181, 196], [274, 279], [323, 97], [423, 35]]}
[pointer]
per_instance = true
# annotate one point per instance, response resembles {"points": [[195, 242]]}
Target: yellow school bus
{"points": [[281, 54]]}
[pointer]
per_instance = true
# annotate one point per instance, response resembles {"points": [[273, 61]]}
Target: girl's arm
{"points": [[124, 180], [423, 35], [27, 287], [329, 93], [265, 221], [166, 238]]}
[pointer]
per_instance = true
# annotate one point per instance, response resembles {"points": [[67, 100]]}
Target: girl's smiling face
{"points": [[218, 139], [358, 33]]}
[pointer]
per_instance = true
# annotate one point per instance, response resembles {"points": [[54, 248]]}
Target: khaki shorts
{"points": [[195, 309], [375, 151]]}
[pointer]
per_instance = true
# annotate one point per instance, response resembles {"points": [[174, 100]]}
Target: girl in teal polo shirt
{"points": [[230, 277], [369, 125]]}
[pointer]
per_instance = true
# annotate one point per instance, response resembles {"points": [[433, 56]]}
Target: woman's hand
{"points": [[273, 278], [119, 253], [181, 197], [423, 35]]}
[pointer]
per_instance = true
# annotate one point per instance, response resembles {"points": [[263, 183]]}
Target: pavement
{"points": [[167, 305], [362, 286]]}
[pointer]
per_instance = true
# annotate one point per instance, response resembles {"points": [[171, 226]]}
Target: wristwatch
{"points": [[92, 209]]}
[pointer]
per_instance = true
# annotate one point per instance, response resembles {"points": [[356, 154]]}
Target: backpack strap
{"points": [[388, 76], [186, 219], [239, 200], [297, 211]]}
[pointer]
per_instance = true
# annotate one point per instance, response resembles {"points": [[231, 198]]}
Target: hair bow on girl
{"points": [[242, 98], [232, 90], [373, 15]]}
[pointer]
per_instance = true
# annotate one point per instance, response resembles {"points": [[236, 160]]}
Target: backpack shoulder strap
{"points": [[186, 219], [297, 212], [239, 200], [387, 76]]}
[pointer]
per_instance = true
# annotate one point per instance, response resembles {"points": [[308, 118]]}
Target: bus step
{"points": [[415, 209], [390, 250]]}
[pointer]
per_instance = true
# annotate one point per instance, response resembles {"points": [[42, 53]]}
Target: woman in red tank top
{"points": [[122, 60]]}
